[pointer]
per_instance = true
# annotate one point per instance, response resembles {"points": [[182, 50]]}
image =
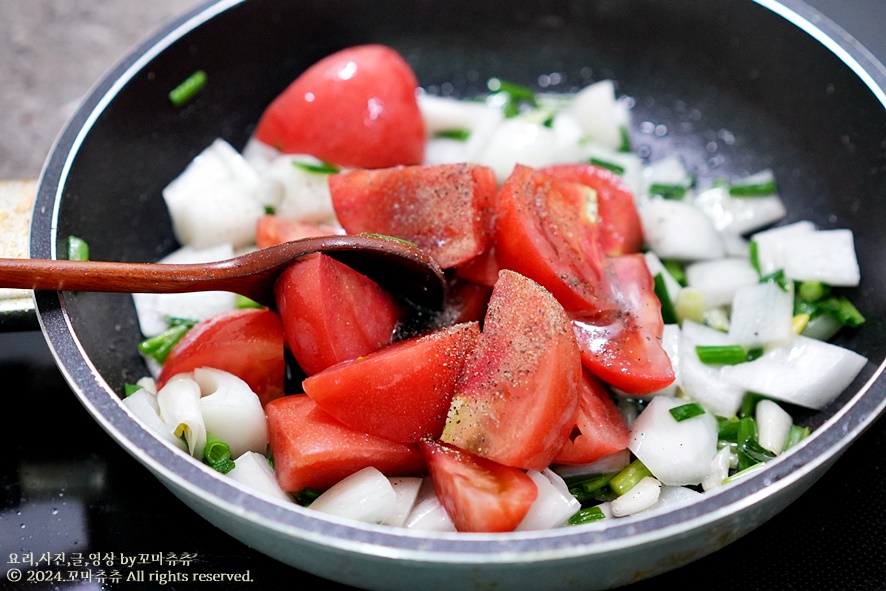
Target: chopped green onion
{"points": [[749, 404], [78, 249], [306, 496], [625, 135], [724, 354], [778, 278], [753, 189], [130, 389], [241, 301], [454, 134], [727, 430], [666, 191], [517, 95], [668, 315], [617, 169], [812, 291], [587, 515], [217, 454], [322, 168], [159, 346], [677, 271], [843, 310], [749, 450], [374, 235], [686, 411], [270, 210], [796, 435], [754, 254], [188, 89], [589, 488], [630, 476]]}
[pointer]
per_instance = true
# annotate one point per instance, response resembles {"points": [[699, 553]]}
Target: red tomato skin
{"points": [[542, 233], [356, 108], [600, 428], [478, 494], [332, 313], [625, 350], [245, 342], [271, 230], [517, 398], [400, 392], [620, 229], [313, 450], [444, 209]]}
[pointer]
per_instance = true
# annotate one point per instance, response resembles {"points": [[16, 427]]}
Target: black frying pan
{"points": [[736, 86]]}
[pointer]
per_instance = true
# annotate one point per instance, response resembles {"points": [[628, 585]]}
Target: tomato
{"points": [[620, 229], [517, 399], [401, 392], [273, 229], [624, 349], [355, 108], [332, 313], [482, 269], [313, 450], [478, 494], [600, 428], [245, 342], [444, 208], [543, 232]]}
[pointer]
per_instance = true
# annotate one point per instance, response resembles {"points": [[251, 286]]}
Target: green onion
{"points": [[159, 346], [686, 411], [587, 515], [677, 271], [843, 310], [188, 89], [322, 168], [727, 430], [666, 191], [724, 354], [778, 278], [630, 476], [270, 210], [454, 134], [753, 189], [616, 168], [78, 249], [812, 291], [130, 389], [796, 435], [217, 454], [517, 95], [668, 315], [589, 488], [749, 404], [241, 301], [754, 254], [306, 496], [749, 450], [625, 135]]}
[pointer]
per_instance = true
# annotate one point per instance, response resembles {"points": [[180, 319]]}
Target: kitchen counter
{"points": [[66, 488]]}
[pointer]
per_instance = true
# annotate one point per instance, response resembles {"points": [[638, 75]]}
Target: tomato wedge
{"points": [[401, 392], [332, 313], [544, 233], [478, 494], [313, 450], [624, 349], [273, 229], [355, 108], [444, 208], [600, 428], [517, 399], [245, 342], [620, 229]]}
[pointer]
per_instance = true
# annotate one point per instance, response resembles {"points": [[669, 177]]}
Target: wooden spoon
{"points": [[403, 269]]}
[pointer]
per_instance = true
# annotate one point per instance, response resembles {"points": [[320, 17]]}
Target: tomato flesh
{"points": [[444, 209], [355, 108], [332, 313], [313, 450], [401, 392], [478, 494], [247, 342], [273, 229], [517, 398]]}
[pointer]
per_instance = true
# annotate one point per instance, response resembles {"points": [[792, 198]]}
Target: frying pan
{"points": [[733, 87]]}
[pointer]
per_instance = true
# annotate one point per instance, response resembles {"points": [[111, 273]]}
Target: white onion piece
{"points": [[612, 463], [641, 497], [214, 199], [677, 230], [667, 171], [259, 154], [720, 466], [601, 114], [762, 315], [253, 470], [153, 308], [295, 192], [771, 245], [232, 412], [656, 267], [407, 488], [366, 495], [143, 405], [518, 142], [806, 372], [704, 383], [569, 136], [428, 513], [554, 505], [672, 497], [676, 452], [443, 150], [773, 425], [739, 215], [631, 164], [720, 279], [824, 255], [179, 402], [442, 113]]}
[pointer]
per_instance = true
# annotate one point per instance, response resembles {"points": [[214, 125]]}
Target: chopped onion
{"points": [[143, 404], [679, 230], [719, 280], [366, 495], [428, 513], [612, 463], [704, 383], [739, 215], [516, 141], [719, 469], [231, 411], [407, 489], [253, 470], [601, 114], [554, 505], [773, 425], [295, 191], [642, 496], [179, 402], [671, 497], [762, 314]]}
